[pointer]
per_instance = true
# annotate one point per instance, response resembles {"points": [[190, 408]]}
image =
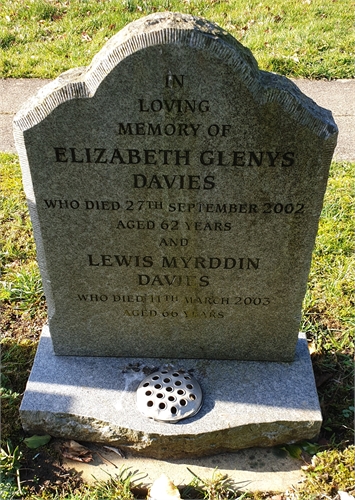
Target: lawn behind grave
{"points": [[307, 38], [328, 319]]}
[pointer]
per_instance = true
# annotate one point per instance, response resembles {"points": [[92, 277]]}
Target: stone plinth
{"points": [[246, 403]]}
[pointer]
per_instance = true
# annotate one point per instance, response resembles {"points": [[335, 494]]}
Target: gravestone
{"points": [[175, 191]]}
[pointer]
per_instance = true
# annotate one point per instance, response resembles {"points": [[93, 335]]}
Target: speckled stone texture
{"points": [[175, 192], [245, 403]]}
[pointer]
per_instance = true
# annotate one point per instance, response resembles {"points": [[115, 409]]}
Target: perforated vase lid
{"points": [[169, 395]]}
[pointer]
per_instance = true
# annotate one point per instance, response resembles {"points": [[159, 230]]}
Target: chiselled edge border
{"points": [[33, 112], [64, 88], [265, 87], [31, 202]]}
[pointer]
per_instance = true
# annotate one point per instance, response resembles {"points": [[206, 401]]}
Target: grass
{"points": [[307, 38], [328, 319], [328, 316], [326, 474], [10, 464]]}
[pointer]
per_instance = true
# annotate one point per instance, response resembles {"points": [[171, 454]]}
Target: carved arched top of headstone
{"points": [[168, 28]]}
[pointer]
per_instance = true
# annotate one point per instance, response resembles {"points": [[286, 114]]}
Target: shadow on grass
{"points": [[334, 374], [16, 362]]}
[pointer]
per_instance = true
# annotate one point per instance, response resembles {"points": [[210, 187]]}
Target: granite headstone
{"points": [[175, 191]]}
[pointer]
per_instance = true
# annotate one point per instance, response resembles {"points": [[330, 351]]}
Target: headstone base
{"points": [[246, 403]]}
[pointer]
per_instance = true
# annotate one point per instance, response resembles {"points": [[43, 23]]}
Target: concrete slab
{"points": [[336, 95], [16, 91], [255, 469], [339, 97], [245, 404], [13, 93]]}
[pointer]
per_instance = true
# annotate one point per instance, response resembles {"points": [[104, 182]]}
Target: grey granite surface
{"points": [[175, 192], [245, 403]]}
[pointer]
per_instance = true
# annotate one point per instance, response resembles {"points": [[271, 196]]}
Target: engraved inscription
{"points": [[173, 222], [173, 157]]}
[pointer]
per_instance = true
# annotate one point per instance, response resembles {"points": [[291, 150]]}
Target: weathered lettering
{"points": [[174, 105]]}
